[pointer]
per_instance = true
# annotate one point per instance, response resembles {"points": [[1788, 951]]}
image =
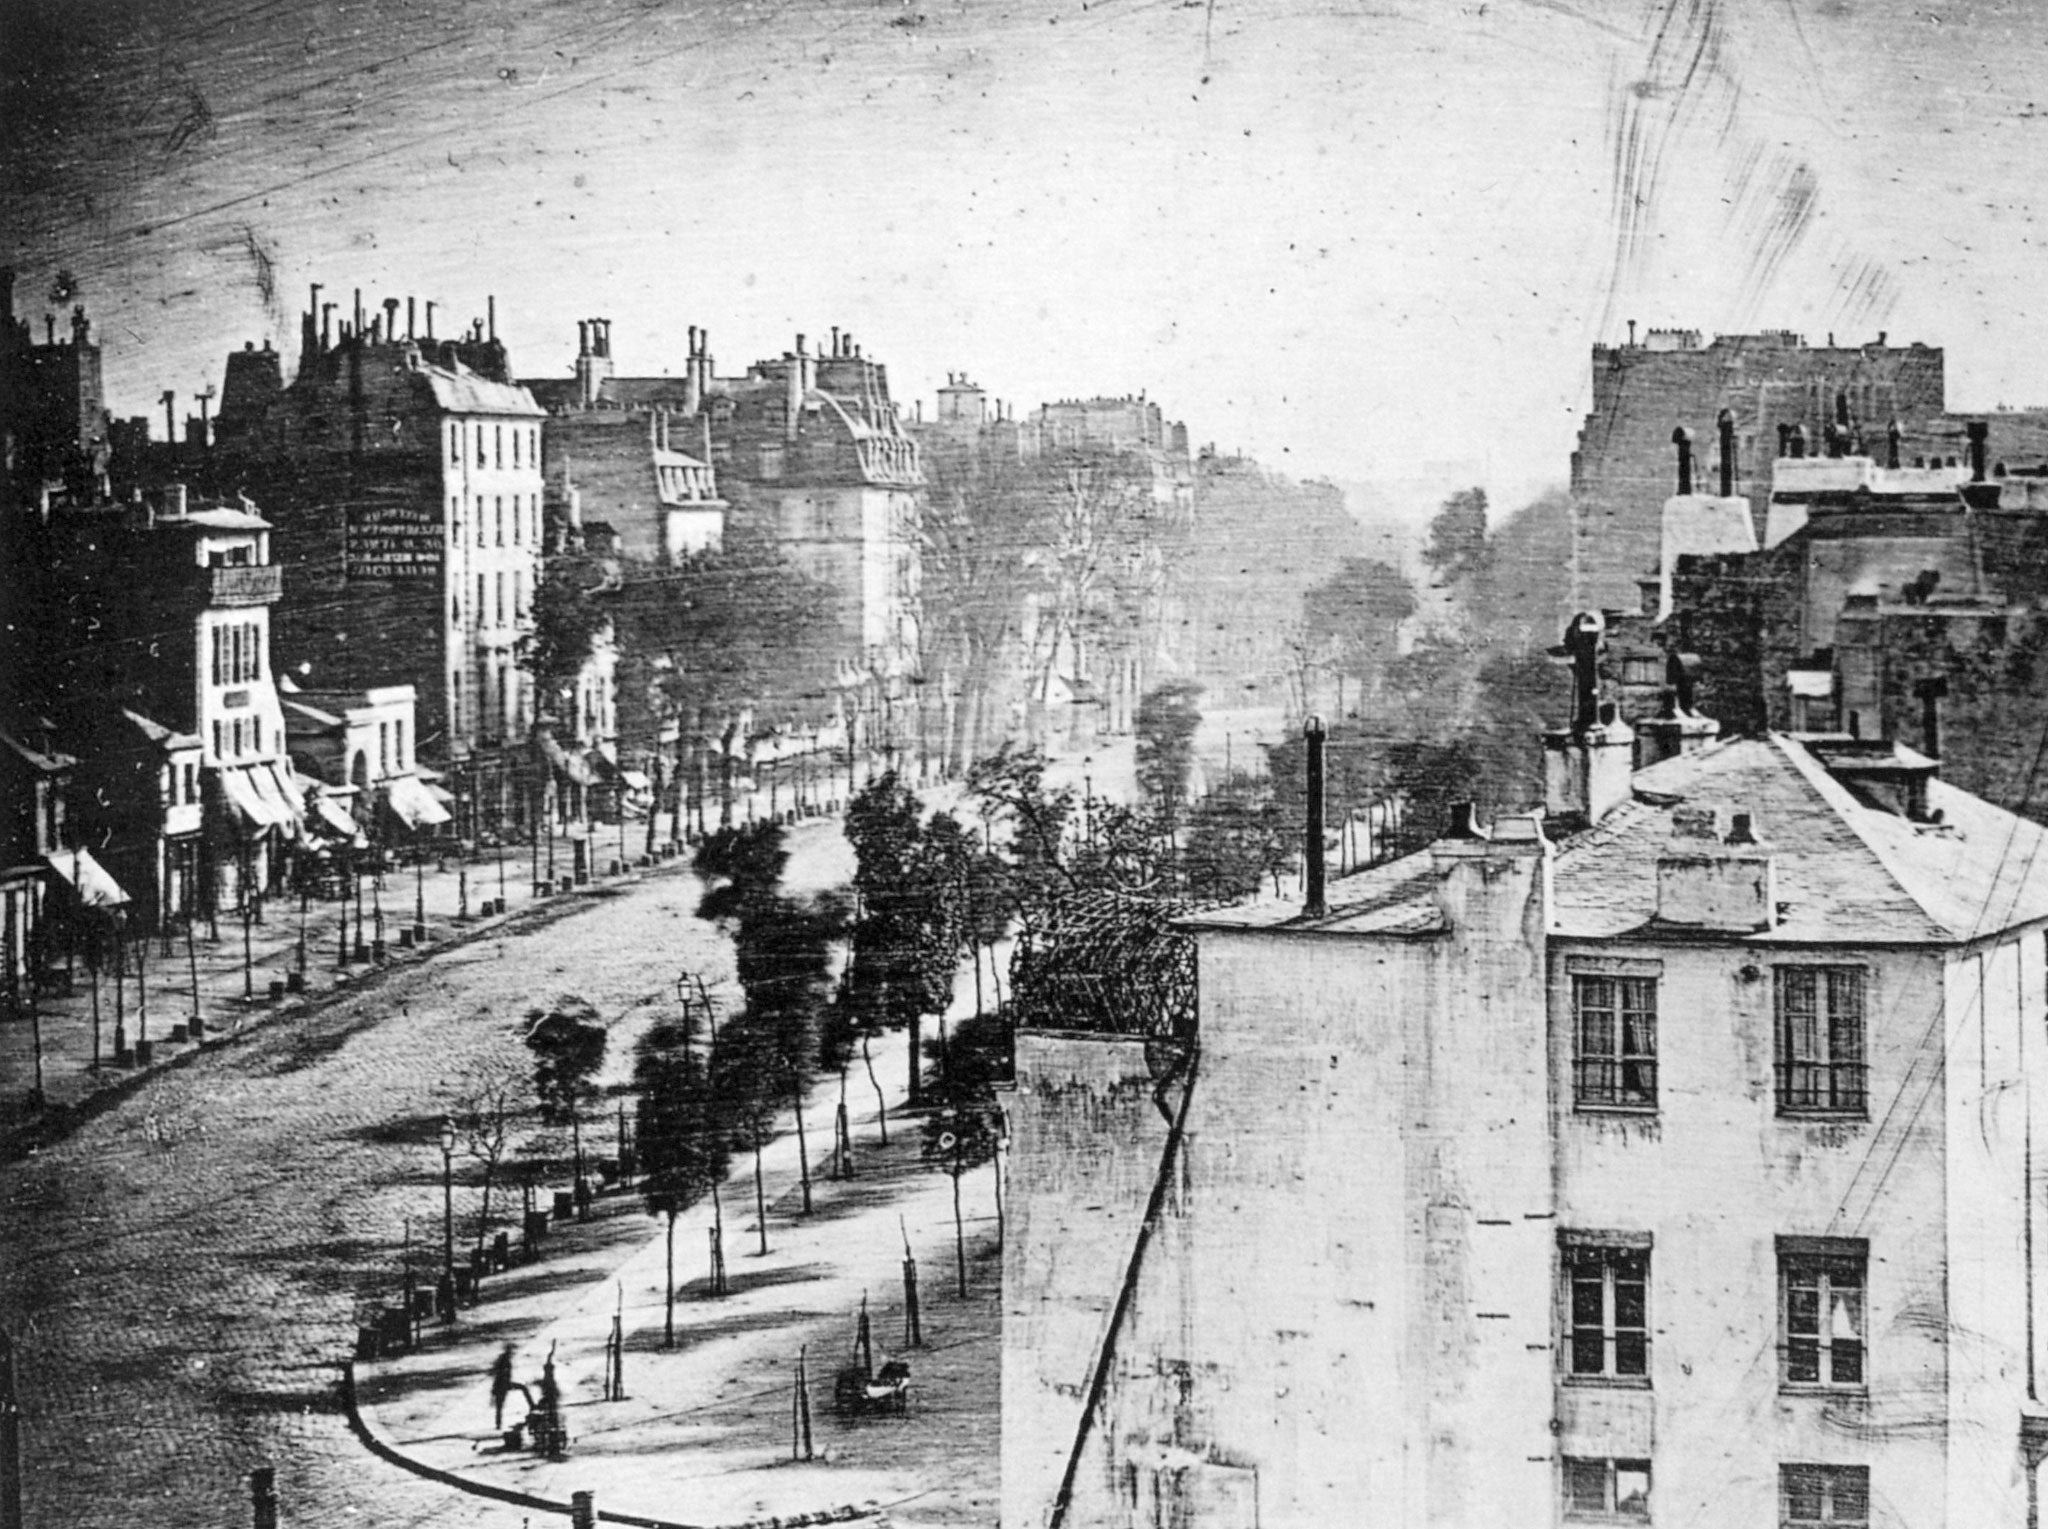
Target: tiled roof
{"points": [[1395, 898], [1847, 870]]}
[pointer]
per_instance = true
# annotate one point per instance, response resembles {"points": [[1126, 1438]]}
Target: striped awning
{"points": [[77, 869], [408, 799]]}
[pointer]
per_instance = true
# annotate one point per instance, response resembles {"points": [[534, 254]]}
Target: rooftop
{"points": [[1850, 869]]}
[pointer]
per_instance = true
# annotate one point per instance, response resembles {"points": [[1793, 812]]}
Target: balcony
{"points": [[247, 585]]}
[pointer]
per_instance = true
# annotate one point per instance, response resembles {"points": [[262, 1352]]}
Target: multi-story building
{"points": [[1665, 1157], [54, 426], [1840, 399], [617, 453], [403, 473], [149, 636], [34, 776]]}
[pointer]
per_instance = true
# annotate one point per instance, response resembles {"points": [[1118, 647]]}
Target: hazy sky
{"points": [[1369, 241]]}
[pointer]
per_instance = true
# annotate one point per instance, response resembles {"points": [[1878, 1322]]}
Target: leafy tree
{"points": [[568, 618], [782, 952], [963, 1131], [1355, 618], [1458, 549], [1236, 839], [683, 1150], [723, 640], [744, 1063], [568, 1046], [1035, 822], [912, 879], [985, 519], [1166, 723]]}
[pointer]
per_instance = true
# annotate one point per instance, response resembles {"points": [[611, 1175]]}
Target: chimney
{"points": [[359, 310], [430, 318], [1784, 440], [410, 315], [1631, 333], [1799, 441], [1316, 906], [1709, 883], [1978, 430], [1682, 439], [174, 499], [1586, 766], [1891, 438], [390, 318], [491, 308], [1726, 422], [1676, 729]]}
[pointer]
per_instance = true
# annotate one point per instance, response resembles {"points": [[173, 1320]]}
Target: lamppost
{"points": [[447, 1292]]}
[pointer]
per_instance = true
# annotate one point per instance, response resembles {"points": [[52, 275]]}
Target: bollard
{"points": [[263, 1496]]}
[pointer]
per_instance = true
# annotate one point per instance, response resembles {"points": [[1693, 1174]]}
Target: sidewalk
{"points": [[162, 1013], [704, 1435]]}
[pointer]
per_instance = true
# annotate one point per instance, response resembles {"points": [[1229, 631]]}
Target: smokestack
{"points": [[430, 318], [1978, 431], [1317, 906], [1682, 439], [1727, 424], [491, 309], [359, 310]]}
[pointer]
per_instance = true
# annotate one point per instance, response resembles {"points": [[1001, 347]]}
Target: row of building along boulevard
{"points": [[285, 639]]}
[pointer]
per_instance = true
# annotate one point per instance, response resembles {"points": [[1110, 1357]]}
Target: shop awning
{"points": [[87, 877], [337, 819], [240, 786], [409, 800], [277, 796]]}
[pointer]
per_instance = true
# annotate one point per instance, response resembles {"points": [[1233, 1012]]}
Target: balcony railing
{"points": [[249, 585]]}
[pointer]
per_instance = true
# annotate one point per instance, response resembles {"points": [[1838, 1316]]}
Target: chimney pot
{"points": [[1742, 829]]}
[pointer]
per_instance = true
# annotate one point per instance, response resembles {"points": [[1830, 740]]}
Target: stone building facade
{"points": [[404, 475], [1664, 1158], [1842, 399]]}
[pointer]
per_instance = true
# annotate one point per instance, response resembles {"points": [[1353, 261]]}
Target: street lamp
{"points": [[447, 1291]]}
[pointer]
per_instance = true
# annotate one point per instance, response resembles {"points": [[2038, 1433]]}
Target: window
{"points": [[1607, 1332], [1821, 1282], [454, 444], [1615, 1024], [500, 503], [1606, 1489], [217, 673], [480, 606], [1820, 1041], [192, 781], [217, 750], [1638, 669], [479, 520], [498, 585], [515, 446], [516, 517], [1810, 1496], [498, 433]]}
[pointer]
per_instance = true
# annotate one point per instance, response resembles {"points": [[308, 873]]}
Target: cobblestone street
{"points": [[185, 1273]]}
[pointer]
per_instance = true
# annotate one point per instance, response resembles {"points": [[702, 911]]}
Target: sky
{"points": [[1369, 241]]}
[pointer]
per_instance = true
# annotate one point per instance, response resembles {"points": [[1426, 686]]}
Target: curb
{"points": [[385, 1450]]}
